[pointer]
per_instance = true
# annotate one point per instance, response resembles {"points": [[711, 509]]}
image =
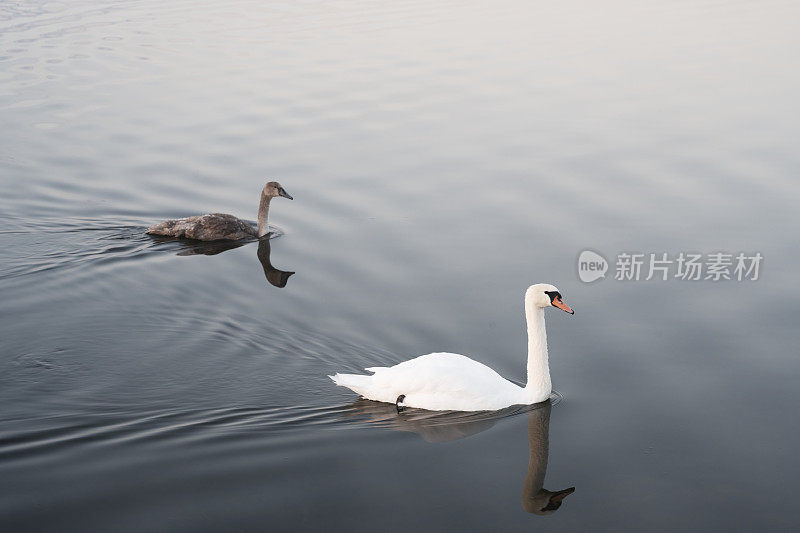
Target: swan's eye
{"points": [[554, 295]]}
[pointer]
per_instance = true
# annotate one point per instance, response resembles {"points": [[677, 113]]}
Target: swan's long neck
{"points": [[263, 214], [538, 387]]}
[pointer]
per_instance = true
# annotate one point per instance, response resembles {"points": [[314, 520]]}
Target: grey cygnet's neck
{"points": [[263, 215]]}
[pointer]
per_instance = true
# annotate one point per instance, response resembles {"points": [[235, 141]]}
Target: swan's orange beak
{"points": [[561, 305]]}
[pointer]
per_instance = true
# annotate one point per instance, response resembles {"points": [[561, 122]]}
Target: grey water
{"points": [[443, 156]]}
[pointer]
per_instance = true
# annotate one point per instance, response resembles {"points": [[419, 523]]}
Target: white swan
{"points": [[453, 382]]}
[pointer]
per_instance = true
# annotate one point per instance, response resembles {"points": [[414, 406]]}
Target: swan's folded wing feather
{"points": [[440, 373], [435, 381]]}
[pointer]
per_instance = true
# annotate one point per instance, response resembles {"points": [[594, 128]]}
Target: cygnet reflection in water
{"points": [[207, 248], [444, 426], [275, 277]]}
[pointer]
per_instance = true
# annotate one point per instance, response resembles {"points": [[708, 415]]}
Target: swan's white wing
{"points": [[436, 381]]}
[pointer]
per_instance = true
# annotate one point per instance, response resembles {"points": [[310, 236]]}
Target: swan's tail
{"points": [[355, 382]]}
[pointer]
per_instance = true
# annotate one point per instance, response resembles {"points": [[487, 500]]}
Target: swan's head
{"points": [[273, 189], [546, 295], [545, 502]]}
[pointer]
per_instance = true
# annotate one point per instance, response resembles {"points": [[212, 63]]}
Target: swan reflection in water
{"points": [[275, 277], [444, 426], [535, 498]]}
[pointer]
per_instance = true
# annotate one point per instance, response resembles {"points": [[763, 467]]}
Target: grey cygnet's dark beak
{"points": [[282, 192]]}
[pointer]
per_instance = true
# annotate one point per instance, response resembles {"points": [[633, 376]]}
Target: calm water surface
{"points": [[443, 156]]}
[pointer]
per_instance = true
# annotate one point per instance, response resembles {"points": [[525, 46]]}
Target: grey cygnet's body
{"points": [[220, 226]]}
